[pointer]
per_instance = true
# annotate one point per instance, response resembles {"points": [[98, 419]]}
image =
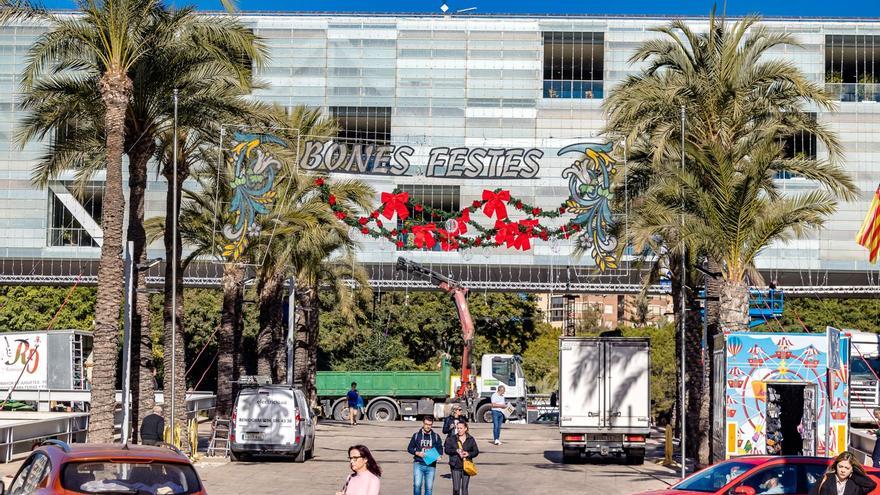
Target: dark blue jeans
{"points": [[497, 419], [875, 455]]}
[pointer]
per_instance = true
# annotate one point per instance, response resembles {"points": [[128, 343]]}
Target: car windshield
{"points": [[154, 478], [713, 478], [864, 368]]}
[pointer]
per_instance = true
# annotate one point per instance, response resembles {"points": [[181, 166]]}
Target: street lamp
{"points": [[174, 272]]}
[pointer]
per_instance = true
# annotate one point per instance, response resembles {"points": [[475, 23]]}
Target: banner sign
{"points": [[24, 351], [394, 160]]}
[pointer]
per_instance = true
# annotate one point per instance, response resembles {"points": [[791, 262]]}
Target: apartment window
{"points": [[573, 65], [445, 198], [852, 67], [363, 125], [798, 145], [74, 220], [557, 308]]}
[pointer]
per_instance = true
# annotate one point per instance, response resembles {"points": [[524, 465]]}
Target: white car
{"points": [[272, 420]]}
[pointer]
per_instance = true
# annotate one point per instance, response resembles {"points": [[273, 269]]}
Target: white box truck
{"points": [[604, 397]]}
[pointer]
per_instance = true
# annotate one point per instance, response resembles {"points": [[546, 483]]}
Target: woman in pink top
{"points": [[365, 478]]}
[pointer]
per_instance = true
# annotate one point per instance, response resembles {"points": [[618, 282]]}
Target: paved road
{"points": [[529, 462]]}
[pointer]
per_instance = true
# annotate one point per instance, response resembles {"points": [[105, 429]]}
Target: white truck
{"points": [[604, 397]]}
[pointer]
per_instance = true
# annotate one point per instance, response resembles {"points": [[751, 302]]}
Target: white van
{"points": [[272, 420]]}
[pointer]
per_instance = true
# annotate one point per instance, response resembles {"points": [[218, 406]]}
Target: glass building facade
{"points": [[488, 82]]}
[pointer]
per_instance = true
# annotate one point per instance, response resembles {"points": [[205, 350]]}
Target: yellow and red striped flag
{"points": [[869, 235]]}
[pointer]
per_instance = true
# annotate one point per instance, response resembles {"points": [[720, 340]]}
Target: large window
{"points": [[363, 125], [445, 198], [573, 65], [798, 145], [852, 67], [74, 219], [557, 308]]}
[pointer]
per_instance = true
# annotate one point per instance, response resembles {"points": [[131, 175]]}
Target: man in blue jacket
{"points": [[424, 461]]}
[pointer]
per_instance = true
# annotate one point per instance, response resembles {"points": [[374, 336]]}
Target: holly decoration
{"points": [[432, 230]]}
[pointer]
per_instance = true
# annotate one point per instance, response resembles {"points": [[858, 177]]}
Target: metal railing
{"points": [[584, 90], [854, 91], [70, 236], [23, 430]]}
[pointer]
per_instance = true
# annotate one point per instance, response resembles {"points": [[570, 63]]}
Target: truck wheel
{"points": [[484, 413], [233, 456], [570, 456], [340, 411], [382, 411], [635, 460]]}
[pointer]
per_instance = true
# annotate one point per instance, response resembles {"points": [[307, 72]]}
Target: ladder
{"points": [[78, 361], [219, 445]]}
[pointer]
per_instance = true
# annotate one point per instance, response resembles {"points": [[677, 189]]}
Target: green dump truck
{"points": [[389, 395]]}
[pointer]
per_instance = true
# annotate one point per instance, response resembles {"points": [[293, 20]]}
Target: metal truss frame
{"points": [[476, 285]]}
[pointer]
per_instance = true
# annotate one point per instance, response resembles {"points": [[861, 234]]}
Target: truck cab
{"points": [[501, 369]]}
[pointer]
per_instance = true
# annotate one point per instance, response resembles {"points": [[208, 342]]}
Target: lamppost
{"points": [[174, 273], [683, 297]]}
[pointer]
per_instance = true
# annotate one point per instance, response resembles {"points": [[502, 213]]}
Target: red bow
{"points": [[448, 240], [506, 232], [521, 241], [395, 203], [462, 222], [494, 203], [424, 235]]}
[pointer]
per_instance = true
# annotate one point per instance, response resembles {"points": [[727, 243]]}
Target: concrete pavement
{"points": [[529, 462]]}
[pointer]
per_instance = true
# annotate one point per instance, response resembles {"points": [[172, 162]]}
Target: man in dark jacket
{"points": [[421, 443], [153, 427]]}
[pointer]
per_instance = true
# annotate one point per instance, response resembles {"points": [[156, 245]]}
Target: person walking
{"points": [[875, 454], [153, 427], [353, 398], [450, 421], [459, 447], [425, 447], [498, 405], [366, 473], [845, 476]]}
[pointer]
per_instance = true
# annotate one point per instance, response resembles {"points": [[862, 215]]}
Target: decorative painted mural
{"points": [[758, 362]]}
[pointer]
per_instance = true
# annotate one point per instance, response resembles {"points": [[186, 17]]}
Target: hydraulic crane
{"points": [[459, 293]]}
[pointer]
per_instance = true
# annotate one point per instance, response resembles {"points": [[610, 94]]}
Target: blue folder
{"points": [[431, 456]]}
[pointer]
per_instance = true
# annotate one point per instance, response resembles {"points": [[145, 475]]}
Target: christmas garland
{"points": [[449, 229]]}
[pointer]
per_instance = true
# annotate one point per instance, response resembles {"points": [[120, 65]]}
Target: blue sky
{"points": [[767, 8]]}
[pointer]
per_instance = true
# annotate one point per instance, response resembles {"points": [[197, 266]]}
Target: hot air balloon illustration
{"points": [[783, 348], [735, 377], [734, 345], [810, 360], [838, 409], [731, 407], [756, 360]]}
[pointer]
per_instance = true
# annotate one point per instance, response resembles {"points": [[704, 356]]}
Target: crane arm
{"points": [[459, 298]]}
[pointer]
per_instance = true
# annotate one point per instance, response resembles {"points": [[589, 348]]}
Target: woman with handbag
{"points": [[461, 449], [845, 476]]}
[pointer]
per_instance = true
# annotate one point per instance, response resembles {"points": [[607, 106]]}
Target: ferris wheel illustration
{"points": [[783, 362]]}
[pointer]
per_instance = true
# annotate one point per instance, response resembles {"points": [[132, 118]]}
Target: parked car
{"points": [[754, 475], [58, 468], [272, 420]]}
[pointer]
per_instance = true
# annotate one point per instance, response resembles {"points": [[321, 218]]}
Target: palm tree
{"points": [[104, 43], [740, 106], [69, 104]]}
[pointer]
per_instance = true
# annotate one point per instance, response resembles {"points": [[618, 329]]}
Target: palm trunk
{"points": [[271, 291], [142, 388], [233, 298], [712, 330], [115, 89], [734, 305], [305, 362], [174, 340], [695, 433]]}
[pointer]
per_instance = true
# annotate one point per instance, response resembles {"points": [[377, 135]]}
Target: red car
{"points": [[758, 475], [58, 468]]}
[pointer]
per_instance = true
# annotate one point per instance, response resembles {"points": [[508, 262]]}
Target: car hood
{"points": [[671, 491]]}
